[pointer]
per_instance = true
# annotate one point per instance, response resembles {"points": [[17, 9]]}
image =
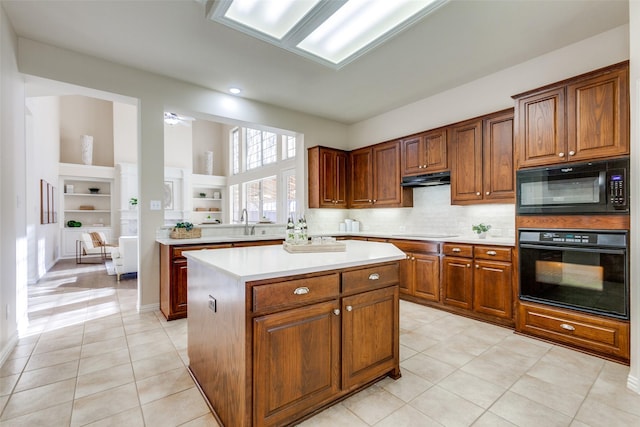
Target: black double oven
{"points": [[585, 269]]}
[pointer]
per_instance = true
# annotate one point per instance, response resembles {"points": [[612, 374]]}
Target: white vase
{"points": [[87, 149], [208, 162]]}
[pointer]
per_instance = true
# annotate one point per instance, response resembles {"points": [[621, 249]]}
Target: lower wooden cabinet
{"points": [[595, 334], [296, 353], [457, 282], [173, 274], [420, 271]]}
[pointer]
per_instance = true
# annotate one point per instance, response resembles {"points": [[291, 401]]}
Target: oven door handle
{"points": [[573, 248]]}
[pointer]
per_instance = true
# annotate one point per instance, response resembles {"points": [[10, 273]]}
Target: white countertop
{"points": [[265, 262], [497, 241]]}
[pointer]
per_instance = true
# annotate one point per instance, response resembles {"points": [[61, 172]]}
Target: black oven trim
{"points": [[605, 248]]}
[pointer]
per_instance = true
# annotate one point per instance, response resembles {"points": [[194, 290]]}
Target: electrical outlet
{"points": [[155, 205]]}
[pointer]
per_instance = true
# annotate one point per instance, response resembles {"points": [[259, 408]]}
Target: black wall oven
{"points": [[586, 188], [584, 270]]}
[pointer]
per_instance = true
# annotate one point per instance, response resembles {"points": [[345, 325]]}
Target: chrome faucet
{"points": [[245, 217]]}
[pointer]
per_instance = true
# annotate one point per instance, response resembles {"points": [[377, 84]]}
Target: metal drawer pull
{"points": [[455, 250], [492, 253], [336, 312], [301, 291], [374, 276], [567, 327], [349, 308]]}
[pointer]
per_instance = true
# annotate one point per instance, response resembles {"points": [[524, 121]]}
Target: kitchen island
{"points": [[274, 337]]}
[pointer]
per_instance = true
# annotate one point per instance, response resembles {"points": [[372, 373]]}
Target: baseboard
{"points": [[148, 307], [633, 383], [7, 349]]}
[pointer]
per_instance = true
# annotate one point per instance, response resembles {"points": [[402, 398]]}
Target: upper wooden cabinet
{"points": [[581, 119], [327, 178], [425, 153], [481, 157], [375, 177]]}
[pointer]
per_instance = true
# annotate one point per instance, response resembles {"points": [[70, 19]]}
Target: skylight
{"points": [[332, 32]]}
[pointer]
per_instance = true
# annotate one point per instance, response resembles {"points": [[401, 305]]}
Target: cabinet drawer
{"points": [[295, 292], [454, 249], [498, 253], [604, 336], [178, 250], [417, 246], [370, 277]]}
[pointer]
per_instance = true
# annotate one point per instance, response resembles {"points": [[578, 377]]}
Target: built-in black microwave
{"points": [[598, 187]]}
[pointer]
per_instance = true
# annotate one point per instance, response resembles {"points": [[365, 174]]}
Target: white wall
{"points": [[493, 92], [43, 148], [155, 93], [125, 133], [209, 136], [13, 238]]}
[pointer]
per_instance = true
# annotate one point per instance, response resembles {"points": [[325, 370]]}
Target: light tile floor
{"points": [[88, 358]]}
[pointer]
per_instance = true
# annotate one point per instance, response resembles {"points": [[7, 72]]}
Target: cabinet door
{"points": [[457, 282], [435, 148], [492, 293], [340, 192], [498, 162], [387, 190], [413, 159], [370, 342], [296, 362], [179, 289], [541, 137], [406, 273], [427, 276], [597, 116], [466, 162], [327, 178], [361, 174]]}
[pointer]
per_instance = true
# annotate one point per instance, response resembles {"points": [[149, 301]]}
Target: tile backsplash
{"points": [[432, 212]]}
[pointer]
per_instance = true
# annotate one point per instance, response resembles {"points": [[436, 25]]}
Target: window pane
{"points": [[254, 148], [234, 196], [289, 151], [270, 148], [235, 144], [292, 207], [269, 198], [253, 200]]}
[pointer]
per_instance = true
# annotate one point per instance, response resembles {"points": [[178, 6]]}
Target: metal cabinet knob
{"points": [[477, 266], [301, 290], [420, 167], [413, 258], [567, 327], [487, 193], [572, 153], [374, 200], [560, 154], [349, 308], [336, 311], [477, 193], [493, 253], [374, 276], [468, 265], [455, 250]]}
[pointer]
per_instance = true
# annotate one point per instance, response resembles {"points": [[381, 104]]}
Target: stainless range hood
{"points": [[426, 180]]}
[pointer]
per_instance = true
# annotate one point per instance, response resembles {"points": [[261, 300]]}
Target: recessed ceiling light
{"points": [[333, 33], [234, 90]]}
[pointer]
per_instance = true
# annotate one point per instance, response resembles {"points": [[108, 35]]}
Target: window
{"points": [[289, 149], [264, 175], [261, 148]]}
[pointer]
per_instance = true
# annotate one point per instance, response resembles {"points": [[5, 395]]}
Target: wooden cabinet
{"points": [[482, 160], [306, 356], [293, 372], [425, 153], [603, 336], [375, 177], [173, 274], [581, 119], [420, 271], [457, 276], [492, 282], [480, 279], [327, 178]]}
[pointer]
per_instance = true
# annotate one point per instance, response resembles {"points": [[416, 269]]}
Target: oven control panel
{"points": [[563, 237]]}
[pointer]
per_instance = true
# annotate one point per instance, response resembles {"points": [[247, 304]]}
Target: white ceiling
{"points": [[460, 42]]}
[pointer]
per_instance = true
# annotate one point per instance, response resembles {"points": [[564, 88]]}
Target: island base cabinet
{"points": [[296, 360], [370, 342]]}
